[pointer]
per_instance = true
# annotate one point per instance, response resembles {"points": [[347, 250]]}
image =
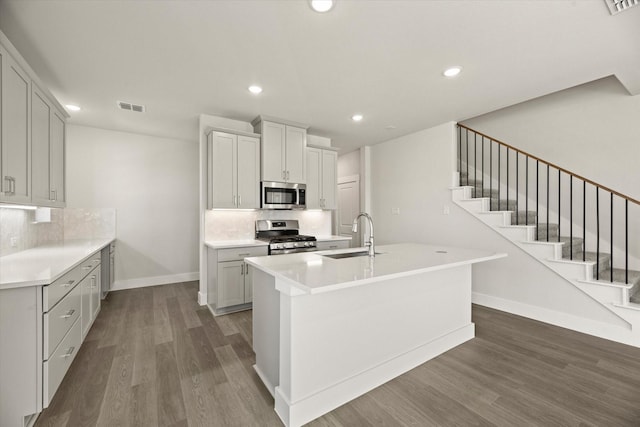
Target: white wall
{"points": [[349, 164], [153, 185], [592, 130], [414, 173]]}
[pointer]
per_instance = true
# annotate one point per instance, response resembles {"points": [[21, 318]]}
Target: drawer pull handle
{"points": [[93, 281], [69, 314], [246, 254], [69, 283], [68, 353], [87, 267]]}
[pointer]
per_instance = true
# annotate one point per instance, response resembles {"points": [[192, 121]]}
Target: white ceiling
{"points": [[383, 59]]}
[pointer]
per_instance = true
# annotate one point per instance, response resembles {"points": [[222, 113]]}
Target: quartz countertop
{"points": [[311, 272], [44, 264], [224, 244]]}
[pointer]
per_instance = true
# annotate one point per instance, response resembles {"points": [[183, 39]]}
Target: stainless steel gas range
{"points": [[283, 236]]}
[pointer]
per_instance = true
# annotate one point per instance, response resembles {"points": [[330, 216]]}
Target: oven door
{"points": [[278, 195]]}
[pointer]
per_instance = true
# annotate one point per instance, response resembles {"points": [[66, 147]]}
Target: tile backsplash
{"points": [[241, 225], [19, 229]]}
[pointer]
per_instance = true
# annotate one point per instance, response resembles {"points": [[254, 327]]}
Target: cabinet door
{"points": [[248, 283], [15, 145], [94, 279], [314, 169], [273, 152], [85, 305], [230, 283], [295, 163], [248, 172], [57, 149], [222, 170], [41, 193], [329, 179]]}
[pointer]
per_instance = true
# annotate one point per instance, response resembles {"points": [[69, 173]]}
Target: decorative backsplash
{"points": [[241, 225], [20, 231]]}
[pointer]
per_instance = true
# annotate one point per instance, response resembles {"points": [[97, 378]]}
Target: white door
{"points": [[348, 207], [248, 172]]}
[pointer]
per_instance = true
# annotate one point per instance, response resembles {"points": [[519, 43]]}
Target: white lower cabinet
{"points": [[69, 307], [230, 285]]}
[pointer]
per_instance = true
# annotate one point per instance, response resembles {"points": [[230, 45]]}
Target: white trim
{"points": [[202, 298], [556, 318], [143, 282], [349, 178]]}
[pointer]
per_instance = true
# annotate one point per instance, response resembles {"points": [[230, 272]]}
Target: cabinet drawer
{"points": [[55, 291], [60, 319], [59, 362], [238, 254], [330, 245]]}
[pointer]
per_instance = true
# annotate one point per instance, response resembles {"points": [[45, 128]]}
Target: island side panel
{"points": [[266, 328], [335, 346]]}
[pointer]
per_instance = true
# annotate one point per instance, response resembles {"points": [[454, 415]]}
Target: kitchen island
{"points": [[326, 330]]}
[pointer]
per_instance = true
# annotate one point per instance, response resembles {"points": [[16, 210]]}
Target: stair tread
{"points": [[590, 257], [619, 276]]}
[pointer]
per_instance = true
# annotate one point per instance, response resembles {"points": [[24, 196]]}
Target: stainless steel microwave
{"points": [[280, 195]]}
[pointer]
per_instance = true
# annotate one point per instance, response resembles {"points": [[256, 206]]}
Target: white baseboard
{"points": [[202, 298], [143, 282], [564, 320]]}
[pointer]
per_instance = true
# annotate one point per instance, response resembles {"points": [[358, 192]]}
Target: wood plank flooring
{"points": [[156, 358]]}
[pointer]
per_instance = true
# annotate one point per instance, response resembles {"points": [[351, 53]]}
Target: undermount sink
{"points": [[349, 254]]}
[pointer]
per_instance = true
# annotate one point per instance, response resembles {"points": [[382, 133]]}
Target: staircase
{"points": [[549, 212]]}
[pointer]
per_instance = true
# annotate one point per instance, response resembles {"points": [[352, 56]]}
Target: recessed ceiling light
{"points": [[452, 71], [321, 5], [72, 107], [255, 89], [356, 117]]}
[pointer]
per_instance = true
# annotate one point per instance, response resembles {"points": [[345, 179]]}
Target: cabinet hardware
{"points": [[239, 200], [242, 270], [87, 267], [13, 186], [93, 281], [247, 269], [235, 200], [55, 195], [68, 353], [245, 254], [11, 190], [287, 175], [69, 314], [69, 283]]}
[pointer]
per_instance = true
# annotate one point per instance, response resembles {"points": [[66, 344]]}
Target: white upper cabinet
{"points": [[234, 171], [32, 136], [321, 178], [15, 145], [283, 151]]}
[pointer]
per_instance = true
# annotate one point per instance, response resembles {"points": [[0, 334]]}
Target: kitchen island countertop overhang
{"points": [[326, 331]]}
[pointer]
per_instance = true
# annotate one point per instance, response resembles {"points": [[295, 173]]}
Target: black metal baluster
{"points": [[482, 163], [507, 178], [611, 238], [597, 232], [547, 202], [526, 192], [570, 212], [559, 206], [517, 186], [459, 154], [475, 164], [467, 145], [584, 220], [626, 241], [499, 183], [537, 197], [490, 172]]}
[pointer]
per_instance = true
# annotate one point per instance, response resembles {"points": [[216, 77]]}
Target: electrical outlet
{"points": [[446, 210], [395, 211], [14, 242]]}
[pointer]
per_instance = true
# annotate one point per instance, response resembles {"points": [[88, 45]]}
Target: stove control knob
{"points": [[307, 244]]}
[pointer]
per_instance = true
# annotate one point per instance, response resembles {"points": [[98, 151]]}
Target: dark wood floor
{"points": [[155, 358]]}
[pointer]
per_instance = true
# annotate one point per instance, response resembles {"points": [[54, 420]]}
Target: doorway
{"points": [[348, 207]]}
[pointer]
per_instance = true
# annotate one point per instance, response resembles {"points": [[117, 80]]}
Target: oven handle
{"points": [[291, 251]]}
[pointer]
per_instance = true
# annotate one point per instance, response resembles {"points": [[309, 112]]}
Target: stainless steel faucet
{"points": [[372, 249]]}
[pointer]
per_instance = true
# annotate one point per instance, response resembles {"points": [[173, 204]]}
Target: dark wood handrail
{"points": [[631, 199]]}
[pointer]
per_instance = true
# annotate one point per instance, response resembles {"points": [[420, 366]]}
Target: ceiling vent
{"points": [[617, 6], [131, 107]]}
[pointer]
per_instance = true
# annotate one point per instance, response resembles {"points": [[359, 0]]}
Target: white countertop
{"points": [[313, 273], [225, 244], [44, 264]]}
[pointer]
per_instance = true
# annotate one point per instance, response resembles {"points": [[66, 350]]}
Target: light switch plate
{"points": [[395, 211]]}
